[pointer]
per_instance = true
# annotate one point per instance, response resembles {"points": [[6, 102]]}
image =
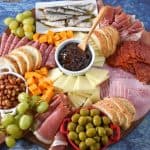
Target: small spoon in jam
{"points": [[84, 42]]}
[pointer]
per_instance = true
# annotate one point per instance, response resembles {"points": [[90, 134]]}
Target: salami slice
{"points": [[50, 63], [8, 44], [22, 42], [30, 43], [3, 42], [14, 43], [46, 54], [36, 45], [43, 47]]}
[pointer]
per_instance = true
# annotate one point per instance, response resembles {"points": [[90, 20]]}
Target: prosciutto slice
{"points": [[59, 143], [48, 129], [122, 84], [36, 44]]}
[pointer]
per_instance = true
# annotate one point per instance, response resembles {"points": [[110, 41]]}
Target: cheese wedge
{"points": [[84, 94], [68, 85], [82, 84], [59, 83], [99, 61], [88, 102], [54, 74], [97, 76], [76, 100]]}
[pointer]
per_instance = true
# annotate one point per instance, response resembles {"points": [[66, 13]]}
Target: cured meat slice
{"points": [[51, 124], [50, 63], [59, 142], [41, 117], [30, 43], [42, 48], [8, 44], [22, 42], [36, 45], [14, 43], [118, 10], [3, 42], [46, 54]]}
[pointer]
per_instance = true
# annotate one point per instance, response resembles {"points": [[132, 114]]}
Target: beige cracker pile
{"points": [[119, 110]]}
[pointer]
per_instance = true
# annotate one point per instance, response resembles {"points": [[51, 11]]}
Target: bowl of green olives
{"points": [[89, 129]]}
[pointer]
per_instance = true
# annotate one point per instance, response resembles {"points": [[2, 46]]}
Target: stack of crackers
{"points": [[119, 110], [106, 40]]}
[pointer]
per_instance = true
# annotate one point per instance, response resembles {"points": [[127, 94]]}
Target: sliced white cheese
{"points": [[88, 102], [99, 59], [84, 94], [82, 84], [68, 85], [76, 100], [54, 74], [97, 76], [59, 83]]}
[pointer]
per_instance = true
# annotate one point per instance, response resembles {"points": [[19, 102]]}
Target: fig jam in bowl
{"points": [[73, 61]]}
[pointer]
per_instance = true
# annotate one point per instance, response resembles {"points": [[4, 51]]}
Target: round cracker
{"points": [[12, 63], [26, 56], [20, 61], [102, 42], [35, 54]]}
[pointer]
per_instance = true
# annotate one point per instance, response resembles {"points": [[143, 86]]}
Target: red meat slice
{"points": [[8, 44], [42, 48], [50, 63], [30, 43], [3, 42], [46, 54], [14, 43], [59, 143], [22, 42], [36, 45]]}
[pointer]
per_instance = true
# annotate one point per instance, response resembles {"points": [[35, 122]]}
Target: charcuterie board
{"points": [[64, 82]]}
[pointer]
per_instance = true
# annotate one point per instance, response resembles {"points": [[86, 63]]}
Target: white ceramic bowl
{"points": [[69, 72], [12, 111]]}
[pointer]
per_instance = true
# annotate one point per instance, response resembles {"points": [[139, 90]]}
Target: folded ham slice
{"points": [[59, 143], [122, 84], [48, 129]]}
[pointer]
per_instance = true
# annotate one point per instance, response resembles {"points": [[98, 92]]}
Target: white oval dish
{"points": [[12, 111], [66, 71]]}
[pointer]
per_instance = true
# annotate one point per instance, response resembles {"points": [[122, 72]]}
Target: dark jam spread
{"points": [[73, 58]]}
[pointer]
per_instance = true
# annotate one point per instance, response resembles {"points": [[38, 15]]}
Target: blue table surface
{"points": [[139, 139]]}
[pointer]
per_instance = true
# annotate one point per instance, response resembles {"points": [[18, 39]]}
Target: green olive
{"points": [[82, 146], [90, 141], [109, 131], [84, 112], [79, 128], [96, 146], [106, 120], [77, 142], [75, 118], [105, 140], [91, 132], [97, 139], [82, 120], [72, 135], [97, 120], [101, 131], [71, 126], [82, 136], [89, 119], [89, 125], [94, 112]]}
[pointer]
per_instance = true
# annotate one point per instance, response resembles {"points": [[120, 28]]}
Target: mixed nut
{"points": [[10, 87]]}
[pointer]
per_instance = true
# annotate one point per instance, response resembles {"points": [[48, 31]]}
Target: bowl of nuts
{"points": [[11, 84]]}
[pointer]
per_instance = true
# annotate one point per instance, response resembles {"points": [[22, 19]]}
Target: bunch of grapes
{"points": [[22, 25], [14, 126]]}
